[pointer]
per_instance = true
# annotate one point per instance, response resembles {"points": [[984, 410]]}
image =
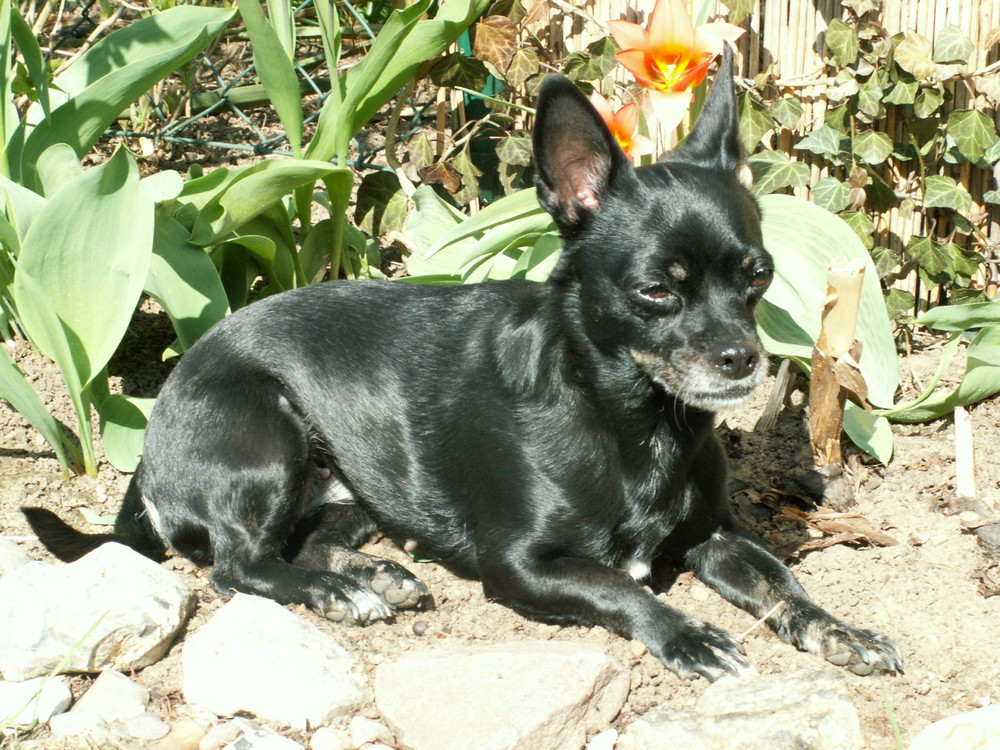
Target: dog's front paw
{"points": [[862, 651], [353, 605], [399, 588], [699, 649]]}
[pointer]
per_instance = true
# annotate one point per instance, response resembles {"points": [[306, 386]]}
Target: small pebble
{"points": [[419, 627], [186, 734], [410, 546], [147, 727]]}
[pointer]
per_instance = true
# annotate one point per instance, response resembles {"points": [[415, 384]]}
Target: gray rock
{"points": [[256, 656], [970, 730], [603, 740], [989, 538], [147, 726], [26, 703], [542, 695], [114, 697], [809, 708], [368, 730], [111, 609], [255, 737], [220, 735], [80, 725], [331, 738], [12, 557]]}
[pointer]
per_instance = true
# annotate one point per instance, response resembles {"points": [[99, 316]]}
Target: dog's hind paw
{"points": [[699, 649], [355, 607], [399, 588]]}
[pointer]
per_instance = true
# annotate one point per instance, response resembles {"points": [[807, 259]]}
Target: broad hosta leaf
{"points": [[962, 317], [123, 424], [754, 122], [275, 68], [842, 41], [973, 133], [825, 141], [496, 41], [944, 192], [773, 170], [872, 146], [913, 54], [831, 194], [17, 391], [788, 111], [952, 46], [789, 314], [430, 220], [89, 250], [114, 73], [981, 380], [183, 279]]}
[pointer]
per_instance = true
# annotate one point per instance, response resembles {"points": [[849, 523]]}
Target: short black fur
{"points": [[549, 439]]}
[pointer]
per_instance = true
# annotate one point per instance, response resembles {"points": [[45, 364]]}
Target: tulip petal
{"points": [[641, 146], [710, 36], [670, 107], [628, 35], [603, 107], [670, 25], [635, 61], [627, 118]]}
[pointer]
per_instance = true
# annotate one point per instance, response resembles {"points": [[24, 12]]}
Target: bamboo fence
{"points": [[788, 37]]}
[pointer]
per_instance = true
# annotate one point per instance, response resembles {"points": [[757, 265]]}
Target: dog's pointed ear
{"points": [[577, 159], [714, 140]]}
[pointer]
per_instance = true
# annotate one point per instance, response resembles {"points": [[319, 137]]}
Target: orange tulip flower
{"points": [[670, 56], [622, 123]]}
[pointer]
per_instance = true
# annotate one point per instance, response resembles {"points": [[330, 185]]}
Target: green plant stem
{"points": [[493, 100], [946, 356]]}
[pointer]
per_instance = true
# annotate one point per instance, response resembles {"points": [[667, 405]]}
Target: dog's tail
{"points": [[132, 528]]}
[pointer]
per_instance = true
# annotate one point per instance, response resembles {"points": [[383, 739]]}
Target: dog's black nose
{"points": [[736, 359]]}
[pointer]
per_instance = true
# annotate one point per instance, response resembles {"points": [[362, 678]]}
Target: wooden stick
{"points": [[836, 340], [965, 455]]}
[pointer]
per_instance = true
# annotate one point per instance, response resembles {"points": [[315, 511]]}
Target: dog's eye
{"points": [[655, 292], [761, 277]]}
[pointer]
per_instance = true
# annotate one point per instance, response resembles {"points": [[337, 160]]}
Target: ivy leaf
{"points": [[830, 193], [788, 112], [973, 133], [421, 151], [460, 70], [515, 149], [496, 41], [862, 226], [885, 260], [992, 196], [928, 102], [594, 64], [842, 42], [904, 92], [870, 99], [899, 303], [838, 118], [755, 121], [952, 46], [381, 205], [872, 147], [738, 10], [825, 141], [881, 196], [470, 182], [860, 7], [944, 192], [773, 170], [522, 66], [845, 85], [932, 257], [913, 54]]}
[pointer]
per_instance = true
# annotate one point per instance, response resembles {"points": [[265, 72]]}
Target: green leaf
{"points": [[34, 61], [885, 260], [992, 196], [515, 149], [123, 424], [931, 256], [519, 205], [842, 42], [460, 70], [89, 251], [754, 121], [862, 225], [913, 54], [594, 64], [870, 432], [17, 391], [58, 165], [973, 133], [872, 146], [952, 46], [773, 170], [248, 191], [980, 381], [944, 192], [114, 73], [789, 315], [870, 99], [537, 261], [904, 92], [183, 279], [899, 302], [431, 219], [738, 10], [962, 317], [788, 112], [523, 66], [21, 205], [831, 194], [381, 205], [825, 141], [275, 69], [928, 102]]}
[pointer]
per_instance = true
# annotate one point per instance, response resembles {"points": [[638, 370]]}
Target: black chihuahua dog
{"points": [[549, 439]]}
